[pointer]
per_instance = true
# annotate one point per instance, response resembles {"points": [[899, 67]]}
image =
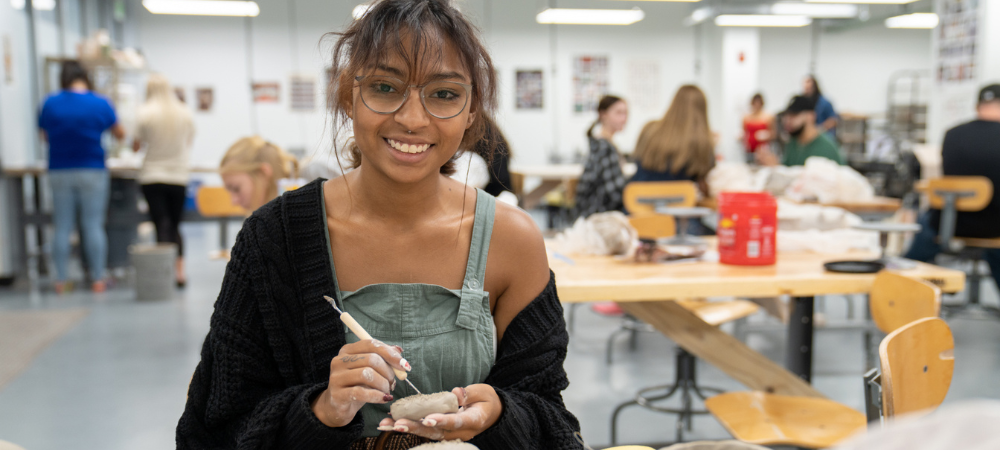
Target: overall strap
{"points": [[479, 247]]}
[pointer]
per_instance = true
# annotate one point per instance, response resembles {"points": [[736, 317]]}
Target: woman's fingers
{"points": [[364, 377], [390, 353], [372, 361], [362, 395]]}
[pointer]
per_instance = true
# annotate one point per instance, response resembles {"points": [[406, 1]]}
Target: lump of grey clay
{"points": [[446, 445], [416, 407]]}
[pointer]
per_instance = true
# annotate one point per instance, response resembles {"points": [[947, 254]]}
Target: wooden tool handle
{"points": [[356, 328]]}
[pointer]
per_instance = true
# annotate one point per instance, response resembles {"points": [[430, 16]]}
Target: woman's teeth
{"points": [[408, 148]]}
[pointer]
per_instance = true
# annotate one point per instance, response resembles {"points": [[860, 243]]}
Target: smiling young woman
{"points": [[453, 286]]}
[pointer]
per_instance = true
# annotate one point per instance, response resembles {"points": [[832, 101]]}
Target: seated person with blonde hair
{"points": [[256, 171]]}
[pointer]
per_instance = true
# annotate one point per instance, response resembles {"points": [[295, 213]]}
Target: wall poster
{"points": [[957, 41], [590, 82], [205, 97], [265, 91], [529, 89], [645, 91], [303, 93]]}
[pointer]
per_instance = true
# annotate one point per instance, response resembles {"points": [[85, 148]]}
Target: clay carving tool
{"points": [[356, 328]]}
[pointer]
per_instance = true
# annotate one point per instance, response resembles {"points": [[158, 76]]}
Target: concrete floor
{"points": [[118, 379]]}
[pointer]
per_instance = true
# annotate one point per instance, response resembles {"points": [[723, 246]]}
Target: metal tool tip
{"points": [[333, 303], [412, 386]]}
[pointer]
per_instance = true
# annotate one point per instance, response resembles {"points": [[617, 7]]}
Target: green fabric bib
{"points": [[447, 335]]}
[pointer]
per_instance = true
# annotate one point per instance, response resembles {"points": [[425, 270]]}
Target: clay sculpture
{"points": [[446, 445], [416, 407]]}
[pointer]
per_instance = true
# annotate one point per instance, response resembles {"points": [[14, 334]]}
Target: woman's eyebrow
{"points": [[446, 76], [397, 72]]}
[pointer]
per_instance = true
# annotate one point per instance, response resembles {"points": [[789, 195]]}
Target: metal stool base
{"points": [[685, 384]]}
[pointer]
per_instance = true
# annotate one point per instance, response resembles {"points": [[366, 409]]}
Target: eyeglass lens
{"points": [[442, 99]]}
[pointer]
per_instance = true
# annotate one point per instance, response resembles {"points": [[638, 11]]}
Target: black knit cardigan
{"points": [[272, 337]]}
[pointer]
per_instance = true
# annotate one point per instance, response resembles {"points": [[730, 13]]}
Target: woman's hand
{"points": [[479, 409], [360, 374]]}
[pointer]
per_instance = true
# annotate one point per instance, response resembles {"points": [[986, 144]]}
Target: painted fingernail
{"points": [[406, 364], [429, 423], [465, 393], [398, 348], [387, 397], [386, 428], [401, 428]]}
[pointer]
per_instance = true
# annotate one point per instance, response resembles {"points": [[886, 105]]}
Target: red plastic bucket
{"points": [[746, 231]]}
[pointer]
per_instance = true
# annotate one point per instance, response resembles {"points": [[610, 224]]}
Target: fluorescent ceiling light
{"points": [[590, 16], [761, 20], [915, 20], [698, 16], [203, 7], [865, 2], [360, 10], [816, 10], [674, 1], [38, 5]]}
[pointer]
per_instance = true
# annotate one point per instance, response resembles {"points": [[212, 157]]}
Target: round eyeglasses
{"points": [[441, 99]]}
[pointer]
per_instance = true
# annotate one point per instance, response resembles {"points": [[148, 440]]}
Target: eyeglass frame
{"points": [[406, 96]]}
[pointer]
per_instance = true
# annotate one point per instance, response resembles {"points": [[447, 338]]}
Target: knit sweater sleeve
{"points": [[243, 394], [529, 378]]}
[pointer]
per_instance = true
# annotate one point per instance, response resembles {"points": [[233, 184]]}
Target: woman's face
{"points": [[244, 192], [807, 86], [756, 105], [615, 117], [411, 145]]}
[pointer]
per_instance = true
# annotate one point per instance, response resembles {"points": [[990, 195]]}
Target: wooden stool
{"points": [[685, 378], [917, 366], [214, 201], [897, 300]]}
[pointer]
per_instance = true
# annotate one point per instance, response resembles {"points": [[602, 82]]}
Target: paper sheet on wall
{"points": [[529, 89], [957, 41], [590, 82], [644, 85], [303, 93]]}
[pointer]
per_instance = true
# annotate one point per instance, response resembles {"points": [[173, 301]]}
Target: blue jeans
{"points": [[83, 191], [925, 247]]}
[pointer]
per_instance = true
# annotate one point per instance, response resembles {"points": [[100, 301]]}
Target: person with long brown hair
{"points": [[453, 286], [680, 146], [601, 184]]}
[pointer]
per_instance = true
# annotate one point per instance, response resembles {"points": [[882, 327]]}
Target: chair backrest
{"points": [[978, 189], [685, 191], [896, 300], [917, 365], [653, 226], [214, 201]]}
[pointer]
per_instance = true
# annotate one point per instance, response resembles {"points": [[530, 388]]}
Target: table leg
{"points": [[43, 266], [533, 198], [720, 349], [798, 356]]}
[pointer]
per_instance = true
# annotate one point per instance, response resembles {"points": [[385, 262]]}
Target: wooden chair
{"points": [[917, 366], [918, 362], [952, 195], [683, 194], [215, 201], [653, 226], [897, 300]]}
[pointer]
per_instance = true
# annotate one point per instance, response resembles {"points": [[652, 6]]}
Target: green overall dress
{"points": [[447, 335]]}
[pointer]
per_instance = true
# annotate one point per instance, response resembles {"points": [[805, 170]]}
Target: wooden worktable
{"points": [[647, 290]]}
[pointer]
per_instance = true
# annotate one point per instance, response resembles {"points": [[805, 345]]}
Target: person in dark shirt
{"points": [[601, 184], [799, 120], [970, 149]]}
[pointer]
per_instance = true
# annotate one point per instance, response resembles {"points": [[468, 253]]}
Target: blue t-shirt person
{"points": [[824, 112], [74, 122]]}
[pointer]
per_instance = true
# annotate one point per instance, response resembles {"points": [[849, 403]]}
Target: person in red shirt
{"points": [[758, 127]]}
